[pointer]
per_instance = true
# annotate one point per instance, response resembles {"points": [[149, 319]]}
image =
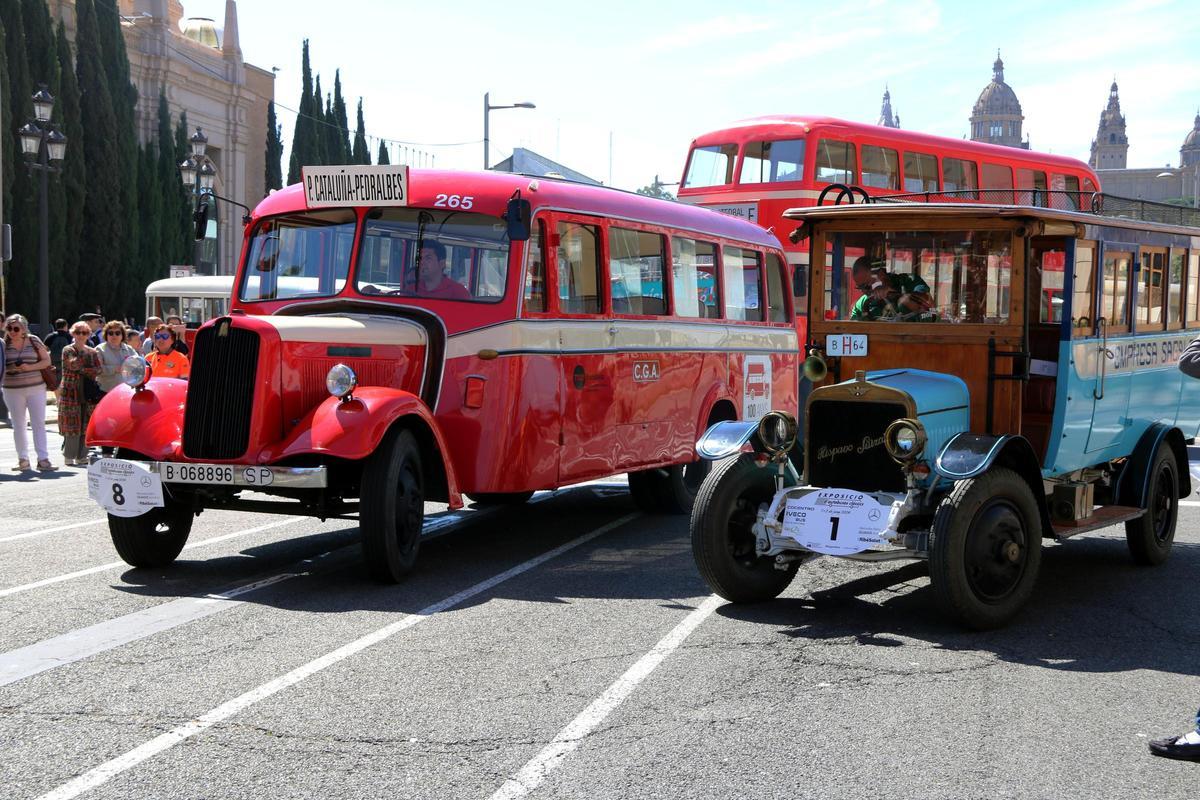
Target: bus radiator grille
{"points": [[220, 395], [845, 446]]}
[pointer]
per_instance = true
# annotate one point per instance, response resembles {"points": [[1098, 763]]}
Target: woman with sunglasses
{"points": [[80, 364], [112, 351], [25, 391], [165, 360]]}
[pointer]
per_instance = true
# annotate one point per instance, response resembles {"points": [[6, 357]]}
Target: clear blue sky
{"points": [[656, 74]]}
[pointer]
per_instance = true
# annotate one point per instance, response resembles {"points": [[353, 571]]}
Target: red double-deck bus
{"points": [[758, 168], [398, 336]]}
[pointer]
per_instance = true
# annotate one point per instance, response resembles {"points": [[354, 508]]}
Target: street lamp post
{"points": [[488, 107], [199, 175], [44, 148]]}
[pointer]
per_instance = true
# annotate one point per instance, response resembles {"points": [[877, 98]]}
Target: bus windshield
{"points": [[711, 166], [773, 162], [919, 276], [304, 255], [449, 255]]}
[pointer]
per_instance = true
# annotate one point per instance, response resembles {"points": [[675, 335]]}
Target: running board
{"points": [[1101, 518]]}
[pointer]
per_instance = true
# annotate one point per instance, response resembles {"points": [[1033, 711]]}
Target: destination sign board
{"points": [[354, 185]]}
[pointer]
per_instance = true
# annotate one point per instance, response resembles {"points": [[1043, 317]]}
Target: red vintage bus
{"points": [[758, 168], [399, 336]]}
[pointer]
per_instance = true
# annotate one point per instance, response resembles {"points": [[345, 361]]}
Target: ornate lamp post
{"points": [[199, 176], [487, 108], [44, 147]]}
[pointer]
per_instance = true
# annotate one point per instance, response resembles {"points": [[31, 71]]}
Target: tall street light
{"points": [[199, 176], [488, 107], [44, 148]]}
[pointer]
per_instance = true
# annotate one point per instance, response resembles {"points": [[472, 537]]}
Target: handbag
{"points": [[49, 374], [91, 391]]}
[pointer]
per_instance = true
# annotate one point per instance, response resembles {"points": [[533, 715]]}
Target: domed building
{"points": [[1189, 154], [1110, 148], [997, 117]]}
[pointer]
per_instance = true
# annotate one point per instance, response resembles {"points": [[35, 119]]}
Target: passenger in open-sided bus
{"points": [[887, 295], [433, 280]]}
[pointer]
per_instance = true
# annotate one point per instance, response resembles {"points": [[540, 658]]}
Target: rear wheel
{"points": [[723, 537], [392, 508], [669, 490], [500, 498], [1150, 536], [154, 539], [986, 549]]}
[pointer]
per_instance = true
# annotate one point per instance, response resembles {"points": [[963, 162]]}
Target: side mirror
{"points": [[200, 217], [519, 217]]}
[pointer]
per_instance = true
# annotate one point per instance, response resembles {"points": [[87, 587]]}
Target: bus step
{"points": [[1102, 517]]}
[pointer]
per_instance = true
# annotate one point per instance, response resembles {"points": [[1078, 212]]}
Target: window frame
{"points": [[1182, 252], [717, 278], [555, 308], [549, 276], [1130, 280], [852, 148], [606, 267], [722, 278], [1191, 268], [1093, 292], [1145, 261], [937, 172], [897, 174]]}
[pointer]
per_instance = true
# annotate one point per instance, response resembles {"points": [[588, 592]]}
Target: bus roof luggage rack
{"points": [[1107, 205]]}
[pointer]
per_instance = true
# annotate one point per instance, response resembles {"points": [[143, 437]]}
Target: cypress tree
{"points": [[303, 143], [7, 163], [362, 153], [320, 148], [187, 250], [173, 202], [21, 204], [104, 218], [383, 154], [333, 135], [73, 180], [153, 265], [127, 292], [274, 175], [341, 137]]}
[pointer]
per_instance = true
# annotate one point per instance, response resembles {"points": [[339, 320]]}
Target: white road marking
{"points": [[77, 645], [114, 564], [569, 738], [52, 530], [104, 772], [1189, 502]]}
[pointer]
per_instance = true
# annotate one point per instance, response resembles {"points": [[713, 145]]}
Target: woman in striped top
{"points": [[24, 390]]}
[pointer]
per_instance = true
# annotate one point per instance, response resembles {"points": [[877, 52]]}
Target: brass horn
{"points": [[815, 368]]}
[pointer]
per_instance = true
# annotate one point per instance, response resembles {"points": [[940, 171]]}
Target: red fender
{"points": [[354, 429], [149, 422]]}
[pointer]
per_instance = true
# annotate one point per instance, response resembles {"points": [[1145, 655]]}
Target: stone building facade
{"points": [[1110, 148], [886, 118], [201, 69], [996, 117]]}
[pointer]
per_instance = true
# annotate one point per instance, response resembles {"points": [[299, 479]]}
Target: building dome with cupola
{"points": [[996, 117], [1189, 154]]}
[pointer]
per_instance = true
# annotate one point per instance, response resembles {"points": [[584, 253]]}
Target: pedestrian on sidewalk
{"points": [[113, 353], [81, 365], [25, 390], [96, 323], [55, 343]]}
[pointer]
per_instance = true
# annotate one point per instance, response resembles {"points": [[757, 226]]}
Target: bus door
{"points": [[1115, 349], [587, 357]]}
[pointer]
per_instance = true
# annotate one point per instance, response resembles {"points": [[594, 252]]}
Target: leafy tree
{"points": [[383, 158], [274, 175], [361, 153], [103, 215], [65, 300], [304, 145], [656, 189]]}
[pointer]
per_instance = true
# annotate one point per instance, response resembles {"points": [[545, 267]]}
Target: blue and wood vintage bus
{"points": [[1010, 376]]}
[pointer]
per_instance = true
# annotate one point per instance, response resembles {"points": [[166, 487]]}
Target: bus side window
{"points": [[1175, 289], [1082, 301], [880, 167], [694, 278], [1192, 302], [959, 175], [1032, 184], [836, 162], [743, 269], [578, 268], [776, 280], [1114, 298], [635, 260], [920, 172], [1072, 184], [1150, 291], [535, 271]]}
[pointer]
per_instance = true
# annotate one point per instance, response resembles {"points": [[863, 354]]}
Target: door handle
{"points": [[612, 330]]}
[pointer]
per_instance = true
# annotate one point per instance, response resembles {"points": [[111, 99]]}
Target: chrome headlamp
{"points": [[904, 440], [341, 381], [135, 371], [777, 431]]}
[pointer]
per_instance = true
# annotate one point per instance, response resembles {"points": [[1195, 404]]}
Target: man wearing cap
{"points": [[96, 323]]}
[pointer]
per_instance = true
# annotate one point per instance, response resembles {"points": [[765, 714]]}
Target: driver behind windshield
{"points": [[433, 280], [888, 295]]}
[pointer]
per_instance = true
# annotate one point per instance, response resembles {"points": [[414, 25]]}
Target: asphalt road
{"points": [[565, 649]]}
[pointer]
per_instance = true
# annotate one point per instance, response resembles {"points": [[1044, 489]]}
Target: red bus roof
{"points": [[490, 192], [783, 126]]}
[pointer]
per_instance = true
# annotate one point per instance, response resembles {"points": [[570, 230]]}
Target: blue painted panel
{"points": [[943, 402]]}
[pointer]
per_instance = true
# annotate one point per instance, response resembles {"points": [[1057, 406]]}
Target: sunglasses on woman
{"points": [[114, 333], [162, 336], [13, 329]]}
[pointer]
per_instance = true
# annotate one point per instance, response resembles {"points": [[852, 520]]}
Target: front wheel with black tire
{"points": [[392, 507], [154, 539], [669, 490], [723, 541], [1150, 536], [986, 548]]}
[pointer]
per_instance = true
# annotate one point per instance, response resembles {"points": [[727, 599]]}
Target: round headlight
{"points": [[904, 440], [135, 371], [341, 380], [777, 431]]}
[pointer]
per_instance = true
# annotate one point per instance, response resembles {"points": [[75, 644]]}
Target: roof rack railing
{"points": [[1107, 205]]}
